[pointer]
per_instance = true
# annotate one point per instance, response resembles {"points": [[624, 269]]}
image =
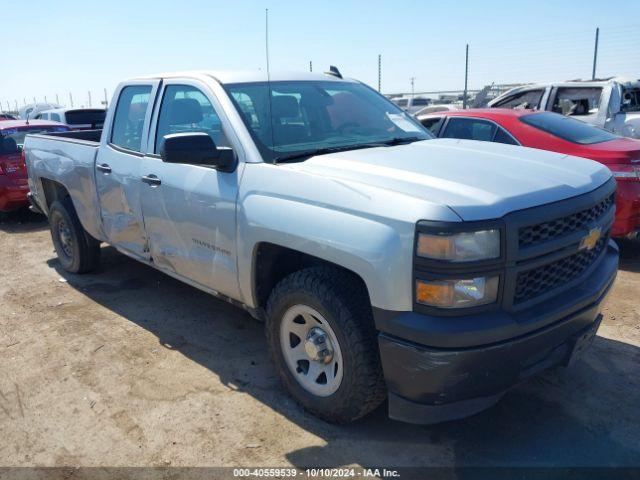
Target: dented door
{"points": [[189, 210], [118, 169]]}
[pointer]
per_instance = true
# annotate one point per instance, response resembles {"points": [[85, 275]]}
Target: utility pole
{"points": [[45, 99], [70, 100], [412, 86], [106, 100], [595, 55], [24, 100], [310, 66], [466, 77], [34, 100], [89, 92], [57, 100], [379, 73], [16, 101]]}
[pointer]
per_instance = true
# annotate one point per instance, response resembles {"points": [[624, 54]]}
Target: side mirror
{"points": [[196, 148]]}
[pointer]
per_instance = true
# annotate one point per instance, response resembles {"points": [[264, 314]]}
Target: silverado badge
{"points": [[589, 241]]}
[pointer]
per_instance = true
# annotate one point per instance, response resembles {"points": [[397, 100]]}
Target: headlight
{"points": [[469, 292], [460, 247]]}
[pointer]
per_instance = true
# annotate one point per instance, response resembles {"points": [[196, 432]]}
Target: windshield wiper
{"points": [[401, 140], [343, 148], [323, 151]]}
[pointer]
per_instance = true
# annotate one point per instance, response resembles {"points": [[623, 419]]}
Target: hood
{"points": [[478, 180]]}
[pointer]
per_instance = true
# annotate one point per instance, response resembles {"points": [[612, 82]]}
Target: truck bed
{"points": [[67, 159], [85, 135]]}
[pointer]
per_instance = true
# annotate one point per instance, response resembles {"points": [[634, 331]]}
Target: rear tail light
{"points": [[628, 173]]}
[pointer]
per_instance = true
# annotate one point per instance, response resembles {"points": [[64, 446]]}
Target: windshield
{"points": [[307, 116], [12, 139], [567, 128]]}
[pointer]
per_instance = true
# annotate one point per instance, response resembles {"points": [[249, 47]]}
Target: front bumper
{"points": [[431, 384]]}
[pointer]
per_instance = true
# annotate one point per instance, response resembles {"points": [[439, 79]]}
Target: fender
{"points": [[375, 251]]}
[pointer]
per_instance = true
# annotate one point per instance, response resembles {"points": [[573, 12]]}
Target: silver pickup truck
{"points": [[385, 263]]}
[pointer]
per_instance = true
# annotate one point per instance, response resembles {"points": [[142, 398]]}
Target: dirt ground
{"points": [[128, 367]]}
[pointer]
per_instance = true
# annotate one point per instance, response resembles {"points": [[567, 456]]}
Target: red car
{"points": [[13, 173], [557, 133]]}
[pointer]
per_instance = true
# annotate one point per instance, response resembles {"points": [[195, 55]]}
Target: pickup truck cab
{"points": [[436, 273], [612, 104]]}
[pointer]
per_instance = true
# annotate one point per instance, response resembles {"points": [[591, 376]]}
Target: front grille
{"points": [[537, 281], [559, 227]]}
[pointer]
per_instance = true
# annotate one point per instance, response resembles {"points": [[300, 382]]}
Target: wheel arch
{"points": [[272, 262]]}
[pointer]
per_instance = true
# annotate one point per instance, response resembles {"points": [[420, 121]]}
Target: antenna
{"points": [[266, 47]]}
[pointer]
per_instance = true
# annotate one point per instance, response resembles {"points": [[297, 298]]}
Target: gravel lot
{"points": [[128, 367]]}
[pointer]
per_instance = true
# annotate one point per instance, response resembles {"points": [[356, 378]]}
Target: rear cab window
{"points": [[84, 118], [129, 117], [568, 129]]}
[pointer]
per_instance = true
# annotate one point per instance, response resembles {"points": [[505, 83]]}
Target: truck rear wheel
{"points": [[77, 251], [323, 344]]}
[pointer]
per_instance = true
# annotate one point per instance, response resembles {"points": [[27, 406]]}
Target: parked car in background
{"points": [[13, 175], [554, 132], [445, 107], [411, 104], [385, 263], [7, 116], [76, 118], [612, 104], [31, 110]]}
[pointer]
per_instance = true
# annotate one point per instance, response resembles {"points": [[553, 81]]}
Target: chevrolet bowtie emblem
{"points": [[589, 241]]}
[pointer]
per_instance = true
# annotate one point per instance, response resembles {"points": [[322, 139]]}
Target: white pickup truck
{"points": [[436, 273], [612, 104]]}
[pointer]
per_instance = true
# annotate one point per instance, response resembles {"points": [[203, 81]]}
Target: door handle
{"points": [[152, 180], [104, 168]]}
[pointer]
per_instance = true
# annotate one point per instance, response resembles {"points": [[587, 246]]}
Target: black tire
{"points": [[342, 300], [82, 253]]}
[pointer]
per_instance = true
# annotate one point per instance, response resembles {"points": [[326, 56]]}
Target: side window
{"points": [[577, 100], [41, 116], [128, 120], [247, 109], [528, 99], [55, 117], [187, 109], [469, 129], [503, 137], [432, 123], [630, 100]]}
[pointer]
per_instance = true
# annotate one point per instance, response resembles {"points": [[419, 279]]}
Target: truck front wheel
{"points": [[78, 252], [323, 343]]}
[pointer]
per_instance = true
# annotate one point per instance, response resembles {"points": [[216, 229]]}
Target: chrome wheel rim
{"points": [[311, 350], [66, 239]]}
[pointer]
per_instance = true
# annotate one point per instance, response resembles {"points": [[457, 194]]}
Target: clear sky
{"points": [[62, 46]]}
